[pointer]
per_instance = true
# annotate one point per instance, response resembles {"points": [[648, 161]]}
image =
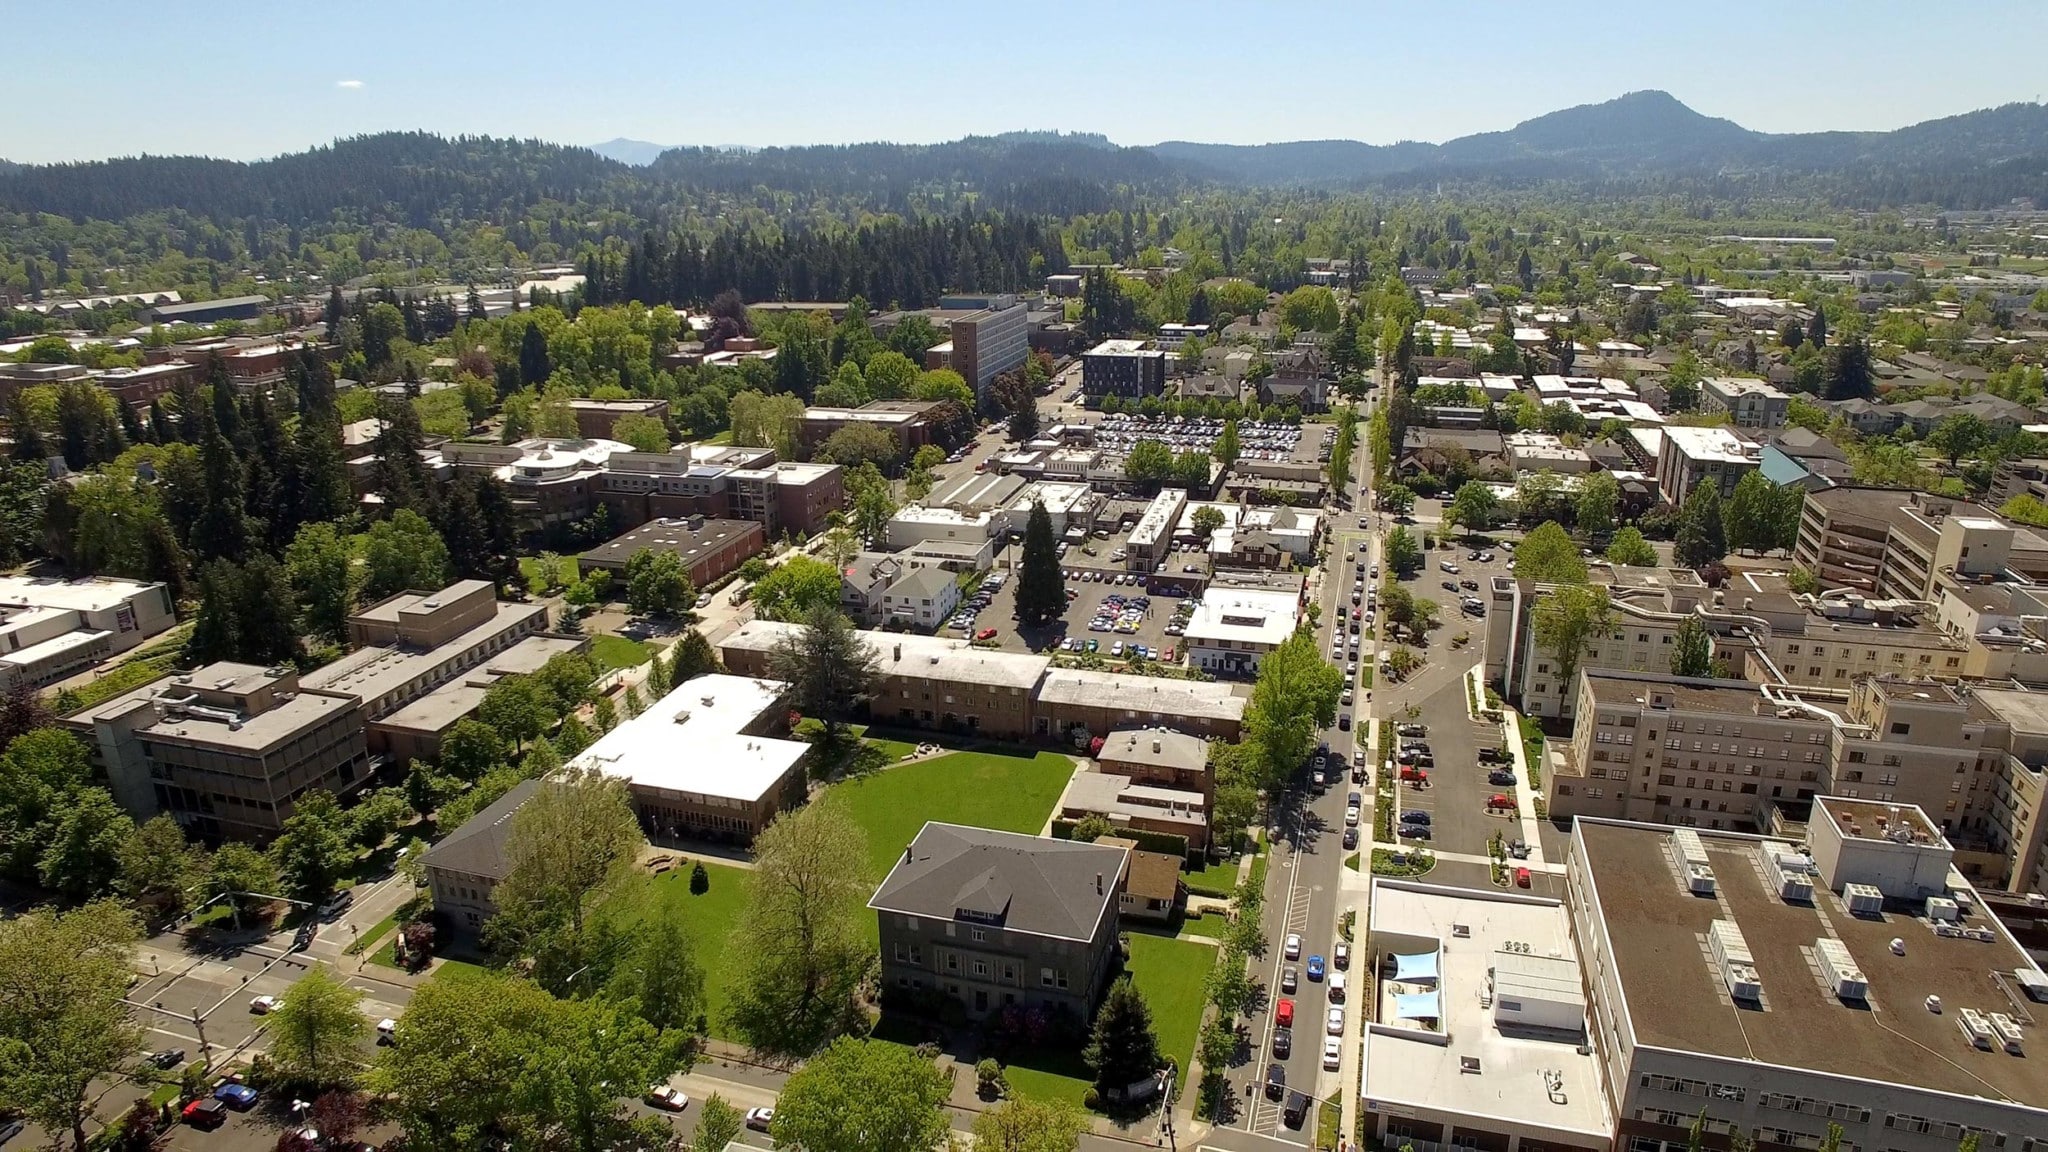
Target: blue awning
{"points": [[1419, 1006], [1421, 966]]}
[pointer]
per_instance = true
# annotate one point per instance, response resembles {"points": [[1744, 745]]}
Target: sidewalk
{"points": [[1525, 796]]}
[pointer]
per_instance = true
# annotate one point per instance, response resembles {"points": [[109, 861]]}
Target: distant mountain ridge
{"points": [[1639, 132], [637, 153]]}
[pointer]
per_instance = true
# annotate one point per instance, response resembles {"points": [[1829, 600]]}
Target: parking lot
{"points": [[1094, 584], [1257, 440]]}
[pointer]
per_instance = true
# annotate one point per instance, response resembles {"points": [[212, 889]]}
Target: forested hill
{"points": [[1644, 140], [415, 177]]}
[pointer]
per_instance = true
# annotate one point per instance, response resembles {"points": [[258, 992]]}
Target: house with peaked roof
{"points": [[466, 867], [998, 920]]}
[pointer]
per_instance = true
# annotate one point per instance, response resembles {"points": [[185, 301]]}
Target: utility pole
{"points": [[199, 1024]]}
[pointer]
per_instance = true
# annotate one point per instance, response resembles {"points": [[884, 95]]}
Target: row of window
{"points": [[1809, 1106], [1689, 1087]]}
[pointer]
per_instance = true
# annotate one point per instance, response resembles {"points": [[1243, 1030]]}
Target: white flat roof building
{"points": [[693, 741], [915, 524], [1233, 627], [1478, 1023]]}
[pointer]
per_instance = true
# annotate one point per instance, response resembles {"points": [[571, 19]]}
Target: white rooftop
{"points": [[93, 594], [1421, 1068], [1713, 444], [1243, 615], [690, 741]]}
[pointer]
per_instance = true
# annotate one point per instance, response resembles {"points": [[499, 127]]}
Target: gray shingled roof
{"points": [[478, 847], [1019, 883]]}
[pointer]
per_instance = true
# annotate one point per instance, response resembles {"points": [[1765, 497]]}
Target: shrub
{"points": [[988, 1079], [700, 880]]}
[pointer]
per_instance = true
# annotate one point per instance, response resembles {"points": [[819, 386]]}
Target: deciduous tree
{"points": [[1549, 556], [1024, 1125], [1702, 538], [1630, 549], [807, 950], [863, 1096], [317, 1030], [1692, 650], [795, 587], [63, 1025], [1566, 619]]}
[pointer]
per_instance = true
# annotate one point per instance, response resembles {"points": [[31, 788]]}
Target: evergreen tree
{"points": [[1702, 538], [216, 630], [401, 474], [1847, 375], [1041, 589], [1817, 328], [1124, 1049], [1024, 422], [222, 529], [691, 657], [830, 667], [534, 365]]}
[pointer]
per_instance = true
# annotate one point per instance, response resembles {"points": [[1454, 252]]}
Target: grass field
{"points": [[710, 918], [618, 652], [1012, 793], [1171, 974]]}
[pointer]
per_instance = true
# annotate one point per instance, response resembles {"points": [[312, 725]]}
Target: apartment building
{"points": [[1726, 754], [227, 749], [1688, 457], [994, 920], [1776, 988], [721, 482], [1749, 403], [911, 422], [990, 341], [1075, 705], [51, 629]]}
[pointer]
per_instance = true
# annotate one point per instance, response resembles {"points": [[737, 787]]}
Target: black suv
{"points": [[1276, 1081], [1283, 1043]]}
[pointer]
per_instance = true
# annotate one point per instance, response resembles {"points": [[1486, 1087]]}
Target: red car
{"points": [[1284, 1014], [1169, 653], [985, 634], [205, 1112], [1521, 877], [1419, 775], [1499, 800]]}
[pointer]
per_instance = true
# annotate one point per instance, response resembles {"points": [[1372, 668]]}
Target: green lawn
{"points": [[710, 918], [529, 568], [1171, 974], [1218, 879], [1011, 793], [618, 652]]}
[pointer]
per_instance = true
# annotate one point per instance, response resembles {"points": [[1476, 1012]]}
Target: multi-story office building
{"points": [[423, 661], [50, 629], [1771, 989], [994, 920], [994, 340], [1233, 629], [227, 749], [932, 682], [1726, 754], [708, 549], [1892, 542], [1123, 368]]}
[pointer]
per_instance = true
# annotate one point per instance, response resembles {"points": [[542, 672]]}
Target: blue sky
{"points": [[245, 80]]}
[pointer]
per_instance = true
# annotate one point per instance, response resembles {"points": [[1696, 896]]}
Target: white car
{"points": [[263, 1005], [1292, 948], [1337, 986], [1351, 816], [666, 1098], [1334, 1023], [1333, 1053], [760, 1119]]}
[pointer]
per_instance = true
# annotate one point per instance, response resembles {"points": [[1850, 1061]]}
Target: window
{"points": [[977, 934], [1045, 977]]}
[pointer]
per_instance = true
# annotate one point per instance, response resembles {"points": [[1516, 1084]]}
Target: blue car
{"points": [[240, 1097], [1315, 967]]}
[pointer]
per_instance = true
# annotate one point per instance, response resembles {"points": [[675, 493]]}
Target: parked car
{"points": [[1283, 1043], [1350, 839], [1333, 1053], [1315, 967], [1500, 800], [1283, 1014], [262, 1005], [1341, 955], [1518, 850], [1521, 877], [1276, 1081], [166, 1057], [1415, 730], [1289, 980], [1499, 778], [1414, 831], [205, 1113], [1333, 1023], [1414, 774], [1295, 1112], [760, 1119], [1351, 816], [240, 1097], [1337, 986], [666, 1098], [1417, 818], [1292, 946]]}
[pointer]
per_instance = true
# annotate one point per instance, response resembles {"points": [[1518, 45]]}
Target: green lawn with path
{"points": [[710, 917], [618, 652], [1009, 792]]}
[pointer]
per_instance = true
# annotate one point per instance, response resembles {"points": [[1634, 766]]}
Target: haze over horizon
{"points": [[278, 79]]}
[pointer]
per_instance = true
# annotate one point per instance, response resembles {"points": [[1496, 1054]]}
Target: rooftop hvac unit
{"points": [[1731, 954], [1976, 1029], [1691, 856], [2008, 1032], [2033, 983], [1942, 908], [1790, 872], [1840, 970], [1863, 899]]}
